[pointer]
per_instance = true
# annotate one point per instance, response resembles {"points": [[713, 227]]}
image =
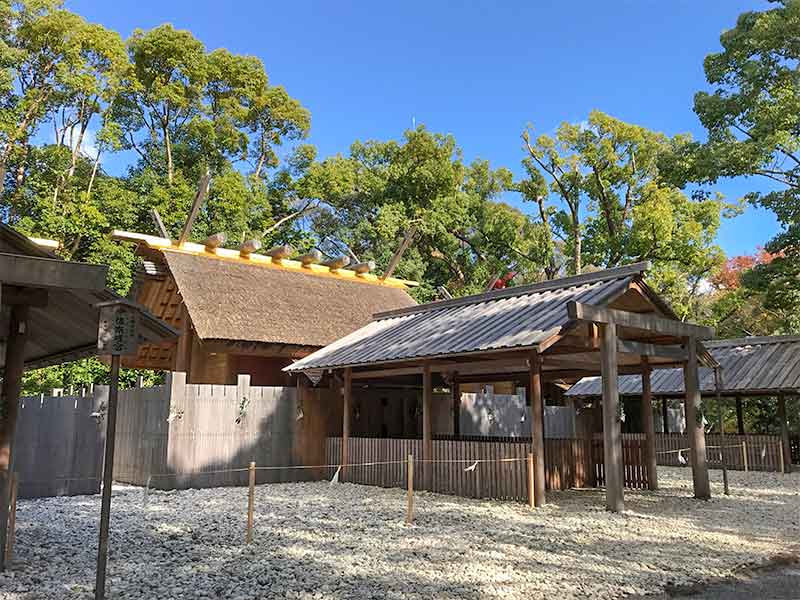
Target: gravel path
{"points": [[316, 540]]}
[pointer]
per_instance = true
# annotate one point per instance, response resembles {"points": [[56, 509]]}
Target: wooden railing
{"points": [[569, 463], [762, 452]]}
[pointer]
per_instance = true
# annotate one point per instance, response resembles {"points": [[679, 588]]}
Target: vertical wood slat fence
{"points": [[567, 465], [763, 451], [58, 448]]}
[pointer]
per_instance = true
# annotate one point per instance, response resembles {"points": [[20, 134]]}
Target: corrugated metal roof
{"points": [[504, 319], [749, 366]]}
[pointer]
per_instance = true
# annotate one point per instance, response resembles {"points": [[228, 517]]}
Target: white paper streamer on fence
{"points": [[335, 478], [680, 457], [471, 467]]}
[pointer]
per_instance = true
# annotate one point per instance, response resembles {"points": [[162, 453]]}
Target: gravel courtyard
{"points": [[316, 540]]}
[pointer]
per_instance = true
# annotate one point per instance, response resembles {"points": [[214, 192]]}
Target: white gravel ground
{"points": [[316, 540]]}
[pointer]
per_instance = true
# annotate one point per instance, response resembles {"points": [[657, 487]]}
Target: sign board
{"points": [[119, 330]]}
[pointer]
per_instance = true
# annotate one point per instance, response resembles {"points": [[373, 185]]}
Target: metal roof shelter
{"points": [[750, 366], [604, 322], [49, 313]]}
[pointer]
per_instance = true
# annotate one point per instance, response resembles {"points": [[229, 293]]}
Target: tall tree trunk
{"points": [[94, 174], [168, 149]]}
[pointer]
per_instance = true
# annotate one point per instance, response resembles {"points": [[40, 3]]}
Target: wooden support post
{"points": [[649, 427], [251, 500], [12, 521], [694, 424], [537, 428], [744, 456], [427, 423], [456, 391], [531, 502], [347, 400], [410, 493], [9, 406], [786, 449], [108, 478], [612, 434], [739, 416], [721, 426], [665, 415]]}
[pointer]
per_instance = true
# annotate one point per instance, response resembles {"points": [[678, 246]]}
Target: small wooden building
{"points": [[241, 312], [604, 323]]}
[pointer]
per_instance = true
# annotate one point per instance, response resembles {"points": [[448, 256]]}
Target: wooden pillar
{"points": [[537, 428], [427, 422], [9, 405], [694, 424], [455, 389], [739, 416], [665, 415], [347, 402], [649, 427], [612, 434], [787, 450]]}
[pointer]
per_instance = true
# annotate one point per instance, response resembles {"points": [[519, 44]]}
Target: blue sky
{"points": [[477, 70]]}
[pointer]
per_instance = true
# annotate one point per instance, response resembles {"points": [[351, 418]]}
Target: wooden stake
{"points": [[780, 454], [251, 499], [531, 502], [744, 456], [721, 423], [410, 494], [12, 520], [537, 427], [108, 478]]}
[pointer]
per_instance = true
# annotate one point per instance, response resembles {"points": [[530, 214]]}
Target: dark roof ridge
{"points": [[522, 290], [756, 340]]}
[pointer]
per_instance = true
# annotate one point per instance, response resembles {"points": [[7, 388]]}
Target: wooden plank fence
{"points": [[763, 451], [58, 449], [567, 465], [180, 435]]}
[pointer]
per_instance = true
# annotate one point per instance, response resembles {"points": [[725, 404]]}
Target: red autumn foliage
{"points": [[729, 277]]}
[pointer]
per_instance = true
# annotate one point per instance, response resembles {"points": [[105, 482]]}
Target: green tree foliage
{"points": [[753, 120], [600, 190], [464, 238]]}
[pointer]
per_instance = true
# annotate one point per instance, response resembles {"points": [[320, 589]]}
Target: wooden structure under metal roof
{"points": [[605, 323]]}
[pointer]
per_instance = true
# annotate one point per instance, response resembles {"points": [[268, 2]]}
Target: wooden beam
{"points": [[197, 202], [337, 263], [30, 271], [215, 241], [248, 247], [310, 258], [395, 260], [9, 405], [612, 435], [455, 390], [694, 425], [12, 295], [280, 252], [159, 223], [673, 352], [537, 429], [643, 321], [427, 426], [648, 427], [362, 267]]}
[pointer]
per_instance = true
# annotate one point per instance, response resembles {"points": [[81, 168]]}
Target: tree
{"points": [[753, 120], [619, 207], [464, 237]]}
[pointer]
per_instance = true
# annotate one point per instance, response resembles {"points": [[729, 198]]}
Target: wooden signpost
{"points": [[123, 327]]}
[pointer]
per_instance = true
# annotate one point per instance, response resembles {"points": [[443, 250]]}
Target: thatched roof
{"points": [[238, 300]]}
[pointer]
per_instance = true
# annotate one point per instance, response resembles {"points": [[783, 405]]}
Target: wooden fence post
{"points": [[744, 456], [251, 497], [780, 457], [531, 501], [12, 520], [410, 499]]}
